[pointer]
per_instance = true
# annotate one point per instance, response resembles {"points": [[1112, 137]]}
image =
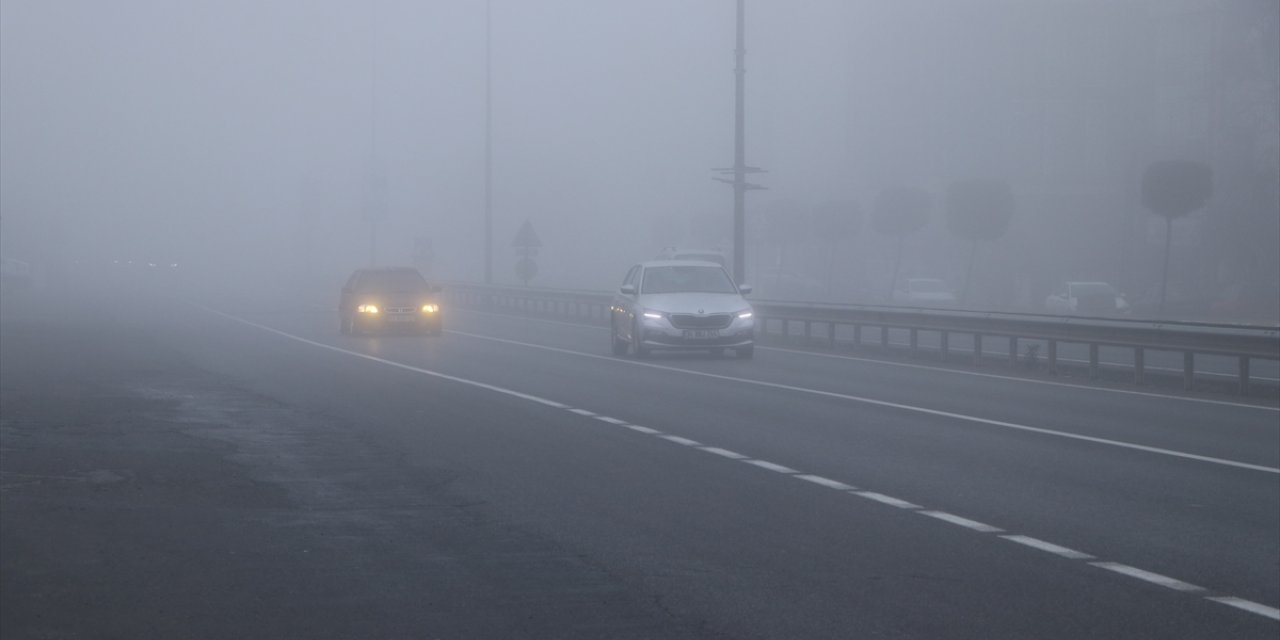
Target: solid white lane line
{"points": [[979, 374], [963, 522], [889, 500], [1056, 550], [827, 482], [1155, 578], [684, 441], [765, 464], [732, 455], [909, 365], [1250, 606], [896, 405], [1147, 576], [583, 412], [611, 420]]}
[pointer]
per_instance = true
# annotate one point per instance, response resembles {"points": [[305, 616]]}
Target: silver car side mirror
{"points": [[628, 289]]}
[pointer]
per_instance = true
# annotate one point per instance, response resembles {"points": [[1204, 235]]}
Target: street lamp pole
{"points": [[488, 144], [740, 168], [739, 150]]}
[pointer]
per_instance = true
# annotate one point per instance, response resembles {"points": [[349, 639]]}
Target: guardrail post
{"points": [[1053, 357], [857, 336], [831, 334], [944, 339], [786, 328], [884, 337], [914, 341], [1013, 352], [1188, 370], [808, 330], [1093, 361], [1139, 365], [1244, 376], [977, 349]]}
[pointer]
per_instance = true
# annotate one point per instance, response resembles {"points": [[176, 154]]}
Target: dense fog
{"points": [[253, 141]]}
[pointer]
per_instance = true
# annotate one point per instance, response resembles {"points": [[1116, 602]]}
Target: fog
{"points": [[246, 139]]}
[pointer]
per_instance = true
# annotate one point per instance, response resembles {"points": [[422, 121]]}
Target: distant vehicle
{"points": [[709, 255], [925, 292], [681, 305], [389, 299], [1086, 298]]}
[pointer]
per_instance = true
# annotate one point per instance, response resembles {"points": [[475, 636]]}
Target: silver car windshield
{"points": [[686, 279]]}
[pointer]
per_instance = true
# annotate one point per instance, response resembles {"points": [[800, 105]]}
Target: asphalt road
{"points": [[511, 479]]}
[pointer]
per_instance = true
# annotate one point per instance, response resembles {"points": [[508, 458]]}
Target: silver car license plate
{"points": [[400, 317], [701, 334]]}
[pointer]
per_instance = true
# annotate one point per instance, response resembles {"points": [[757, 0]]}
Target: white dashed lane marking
{"points": [[1250, 606], [765, 464], [827, 482], [963, 522], [1153, 578], [943, 516], [889, 500], [1036, 543], [732, 455], [684, 441]]}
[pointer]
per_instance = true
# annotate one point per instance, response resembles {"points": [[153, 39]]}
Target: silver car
{"points": [[681, 305]]}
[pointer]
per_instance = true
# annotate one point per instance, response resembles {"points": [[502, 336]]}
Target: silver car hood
{"points": [[693, 302]]}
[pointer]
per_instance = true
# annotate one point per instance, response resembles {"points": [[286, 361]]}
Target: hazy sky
{"points": [[240, 133]]}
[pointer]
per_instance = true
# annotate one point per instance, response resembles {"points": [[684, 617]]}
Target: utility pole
{"points": [[488, 143], [740, 168]]}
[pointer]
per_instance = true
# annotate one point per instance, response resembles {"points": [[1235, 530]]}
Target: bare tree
{"points": [[900, 212], [1173, 189], [978, 210]]}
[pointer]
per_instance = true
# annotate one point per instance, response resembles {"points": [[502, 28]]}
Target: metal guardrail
{"points": [[1244, 342]]}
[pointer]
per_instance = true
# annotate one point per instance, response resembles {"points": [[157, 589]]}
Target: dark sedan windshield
{"points": [[393, 281], [684, 279]]}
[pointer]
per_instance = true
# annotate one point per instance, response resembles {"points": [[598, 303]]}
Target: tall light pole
{"points": [[740, 168], [488, 144], [375, 204]]}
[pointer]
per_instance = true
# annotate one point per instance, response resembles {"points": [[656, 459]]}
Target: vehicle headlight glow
{"points": [[430, 308], [367, 308], [744, 314], [653, 314]]}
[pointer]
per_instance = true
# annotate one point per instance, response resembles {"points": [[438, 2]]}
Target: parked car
{"points": [[925, 292], [388, 299], [681, 305], [1086, 298]]}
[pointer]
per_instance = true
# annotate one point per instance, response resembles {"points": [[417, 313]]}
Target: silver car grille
{"points": [[690, 321]]}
